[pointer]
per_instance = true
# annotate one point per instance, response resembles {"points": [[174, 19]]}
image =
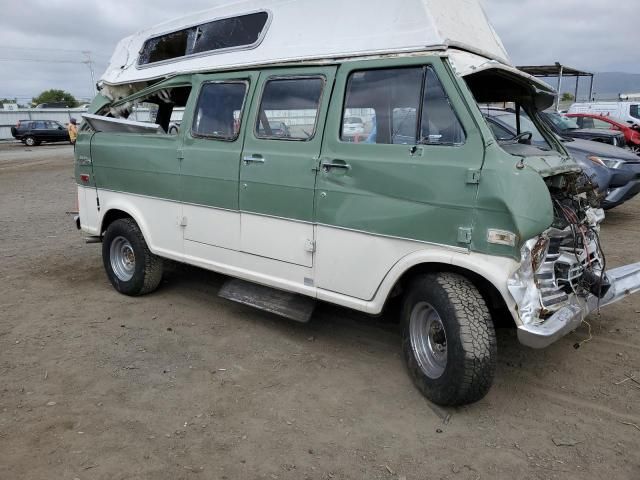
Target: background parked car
{"points": [[34, 132], [615, 170], [567, 127], [631, 132], [352, 127], [627, 111]]}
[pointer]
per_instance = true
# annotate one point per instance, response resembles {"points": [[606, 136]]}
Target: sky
{"points": [[41, 41]]}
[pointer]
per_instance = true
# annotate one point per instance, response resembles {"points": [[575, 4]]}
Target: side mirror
{"points": [[60, 127]]}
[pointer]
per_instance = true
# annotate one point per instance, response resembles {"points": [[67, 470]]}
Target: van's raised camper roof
{"points": [[247, 33]]}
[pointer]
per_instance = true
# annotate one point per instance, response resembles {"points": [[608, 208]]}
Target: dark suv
{"points": [[34, 132]]}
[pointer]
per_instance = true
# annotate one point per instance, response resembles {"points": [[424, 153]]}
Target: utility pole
{"points": [[88, 61]]}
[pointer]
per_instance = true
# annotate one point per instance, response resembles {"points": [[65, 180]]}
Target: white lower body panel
{"points": [[354, 269]]}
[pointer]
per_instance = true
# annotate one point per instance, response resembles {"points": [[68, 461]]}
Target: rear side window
{"points": [[634, 110], [601, 124], [38, 125], [403, 106], [289, 108], [244, 31], [584, 122], [219, 110]]}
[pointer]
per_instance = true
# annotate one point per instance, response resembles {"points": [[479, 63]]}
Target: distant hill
{"points": [[606, 85]]}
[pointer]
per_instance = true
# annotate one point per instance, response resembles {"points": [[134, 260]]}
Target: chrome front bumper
{"points": [[624, 281]]}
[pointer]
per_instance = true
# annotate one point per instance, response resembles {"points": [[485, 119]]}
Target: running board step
{"points": [[290, 305]]}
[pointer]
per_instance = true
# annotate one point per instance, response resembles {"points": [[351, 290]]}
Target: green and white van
{"points": [[420, 203]]}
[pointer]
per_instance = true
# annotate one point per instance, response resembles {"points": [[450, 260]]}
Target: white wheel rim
{"points": [[123, 260], [428, 340]]}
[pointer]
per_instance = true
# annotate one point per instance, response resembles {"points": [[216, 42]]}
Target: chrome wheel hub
{"points": [[428, 340], [123, 260]]}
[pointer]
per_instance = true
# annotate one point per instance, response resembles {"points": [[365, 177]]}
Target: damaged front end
{"points": [[562, 276]]}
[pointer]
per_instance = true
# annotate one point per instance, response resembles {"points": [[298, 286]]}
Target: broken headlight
{"points": [[539, 253]]}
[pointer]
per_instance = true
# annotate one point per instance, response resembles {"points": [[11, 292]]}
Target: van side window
{"points": [[634, 110], [239, 32], [381, 106], [289, 108], [439, 125], [219, 110]]}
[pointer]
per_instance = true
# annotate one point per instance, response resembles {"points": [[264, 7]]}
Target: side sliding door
{"points": [[213, 131]]}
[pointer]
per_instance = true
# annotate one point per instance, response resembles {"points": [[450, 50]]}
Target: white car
{"points": [[352, 126]]}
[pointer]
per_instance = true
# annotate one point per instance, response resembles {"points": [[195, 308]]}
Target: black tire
{"points": [[464, 361], [145, 268], [31, 141]]}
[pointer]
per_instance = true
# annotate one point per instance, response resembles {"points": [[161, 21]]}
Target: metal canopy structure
{"points": [[560, 71]]}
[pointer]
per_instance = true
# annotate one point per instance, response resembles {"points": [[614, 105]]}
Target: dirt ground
{"points": [[181, 384]]}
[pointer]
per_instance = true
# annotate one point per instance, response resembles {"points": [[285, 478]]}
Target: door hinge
{"points": [[473, 176], [464, 235], [180, 154], [310, 246], [183, 222]]}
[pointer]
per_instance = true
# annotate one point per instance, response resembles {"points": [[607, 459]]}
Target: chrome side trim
{"points": [[382, 235]]}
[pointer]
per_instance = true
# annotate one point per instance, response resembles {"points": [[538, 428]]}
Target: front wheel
{"points": [[636, 149], [131, 267], [448, 339]]}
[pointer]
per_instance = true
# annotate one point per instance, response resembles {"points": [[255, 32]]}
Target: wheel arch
{"points": [[117, 212], [111, 216], [488, 274]]}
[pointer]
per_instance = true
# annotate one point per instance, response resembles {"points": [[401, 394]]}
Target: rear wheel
{"points": [[131, 267], [31, 141], [448, 338], [635, 149]]}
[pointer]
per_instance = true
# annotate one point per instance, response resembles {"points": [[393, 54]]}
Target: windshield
{"points": [[526, 125], [503, 124], [561, 122]]}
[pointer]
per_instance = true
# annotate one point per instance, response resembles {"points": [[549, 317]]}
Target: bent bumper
{"points": [[624, 281]]}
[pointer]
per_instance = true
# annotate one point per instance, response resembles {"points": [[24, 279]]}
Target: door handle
{"points": [[329, 164], [253, 159]]}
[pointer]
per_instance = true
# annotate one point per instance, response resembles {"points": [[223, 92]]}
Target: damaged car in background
{"points": [[427, 208], [615, 171]]}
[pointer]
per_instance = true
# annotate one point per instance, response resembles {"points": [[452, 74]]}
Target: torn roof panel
{"points": [[310, 30]]}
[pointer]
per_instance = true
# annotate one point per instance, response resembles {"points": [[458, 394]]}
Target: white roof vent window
{"points": [[233, 33]]}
